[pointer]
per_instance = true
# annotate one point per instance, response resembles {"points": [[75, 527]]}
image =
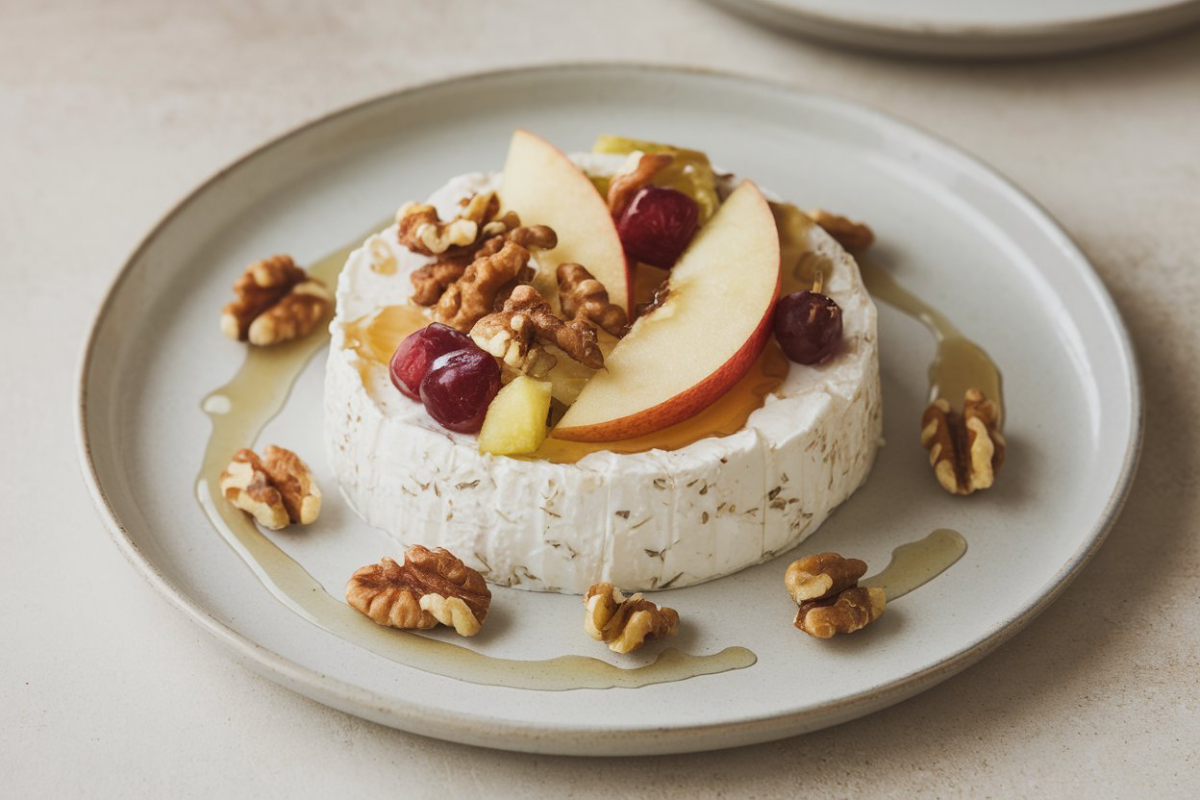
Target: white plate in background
{"points": [[973, 28]]}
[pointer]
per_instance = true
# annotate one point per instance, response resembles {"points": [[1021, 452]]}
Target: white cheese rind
{"points": [[642, 521]]}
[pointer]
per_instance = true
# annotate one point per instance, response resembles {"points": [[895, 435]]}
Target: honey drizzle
{"points": [[240, 410], [915, 564], [959, 364], [375, 337]]}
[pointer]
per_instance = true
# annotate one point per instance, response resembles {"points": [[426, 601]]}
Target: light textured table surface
{"points": [[110, 112]]}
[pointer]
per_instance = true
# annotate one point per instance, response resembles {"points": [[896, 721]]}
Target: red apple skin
{"points": [[686, 404]]}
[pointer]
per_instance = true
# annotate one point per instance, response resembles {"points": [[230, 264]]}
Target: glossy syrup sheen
{"points": [[375, 337], [959, 363], [240, 410], [917, 563]]}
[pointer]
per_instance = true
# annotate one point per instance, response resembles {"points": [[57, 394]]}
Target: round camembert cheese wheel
{"points": [[642, 521]]}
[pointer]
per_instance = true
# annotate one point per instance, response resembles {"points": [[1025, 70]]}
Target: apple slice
{"points": [[545, 187], [689, 351]]}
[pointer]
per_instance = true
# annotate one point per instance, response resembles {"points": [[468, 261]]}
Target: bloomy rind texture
{"points": [[646, 521]]}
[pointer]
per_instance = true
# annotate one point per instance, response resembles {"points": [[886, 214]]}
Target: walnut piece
{"points": [[965, 450], [277, 489], [848, 611], [525, 319], [432, 280], [632, 179], [430, 587], [822, 575], [421, 230], [297, 314], [275, 301], [510, 337], [584, 298], [625, 624], [472, 297], [825, 587], [853, 236]]}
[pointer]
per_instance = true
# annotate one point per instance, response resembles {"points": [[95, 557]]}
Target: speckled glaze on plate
{"points": [[973, 28], [949, 228]]}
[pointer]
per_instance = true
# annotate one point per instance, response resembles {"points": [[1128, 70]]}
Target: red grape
{"points": [[458, 388], [657, 225], [412, 358], [808, 326]]}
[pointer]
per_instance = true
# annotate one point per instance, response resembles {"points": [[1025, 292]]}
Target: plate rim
{"points": [[973, 41], [991, 30], [471, 728]]}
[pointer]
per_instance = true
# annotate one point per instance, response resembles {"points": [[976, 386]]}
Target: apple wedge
{"points": [[545, 187], [689, 351]]}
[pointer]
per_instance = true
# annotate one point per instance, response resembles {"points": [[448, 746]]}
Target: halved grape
{"points": [[412, 358], [657, 226], [458, 388], [808, 326]]}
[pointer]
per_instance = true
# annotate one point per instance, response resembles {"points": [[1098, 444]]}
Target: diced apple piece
{"points": [[690, 172], [685, 354], [516, 419], [545, 187]]}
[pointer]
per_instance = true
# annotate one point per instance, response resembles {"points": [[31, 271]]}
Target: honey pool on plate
{"points": [[241, 409]]}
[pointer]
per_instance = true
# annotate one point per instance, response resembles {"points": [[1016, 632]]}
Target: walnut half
{"points": [[584, 298], [625, 624], [277, 489], [822, 575], [275, 302], [525, 320], [430, 587], [851, 610], [825, 587], [965, 450]]}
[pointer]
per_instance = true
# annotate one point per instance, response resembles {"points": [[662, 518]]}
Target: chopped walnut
{"points": [[584, 298], [430, 587], [853, 236], [276, 301], [472, 296], [277, 489], [432, 280], [534, 237], [848, 611], [965, 450], [421, 230], [632, 179], [625, 624], [526, 317], [822, 575], [510, 337]]}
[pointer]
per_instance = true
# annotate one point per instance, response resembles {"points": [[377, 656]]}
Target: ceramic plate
{"points": [[974, 28], [949, 229]]}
